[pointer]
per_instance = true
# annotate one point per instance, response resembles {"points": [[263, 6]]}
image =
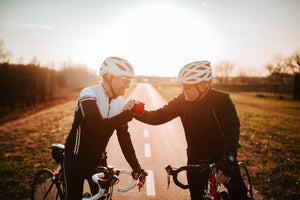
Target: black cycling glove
{"points": [[141, 174], [226, 166], [137, 172]]}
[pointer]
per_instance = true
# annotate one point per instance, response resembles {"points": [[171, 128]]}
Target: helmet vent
{"points": [[201, 68], [191, 74], [184, 73], [191, 80], [201, 76], [116, 58], [121, 67], [191, 67], [129, 67]]}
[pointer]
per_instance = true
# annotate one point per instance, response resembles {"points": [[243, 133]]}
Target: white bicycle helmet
{"points": [[195, 72], [117, 67]]}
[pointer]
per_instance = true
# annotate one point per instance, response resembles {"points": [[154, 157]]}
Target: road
{"points": [[155, 147]]}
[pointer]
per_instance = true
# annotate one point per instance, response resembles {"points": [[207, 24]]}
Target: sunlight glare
{"points": [[155, 40]]}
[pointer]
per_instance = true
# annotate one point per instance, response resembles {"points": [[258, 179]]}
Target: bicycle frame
{"points": [[214, 186], [106, 179]]}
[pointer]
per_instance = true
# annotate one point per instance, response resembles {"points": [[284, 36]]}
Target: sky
{"points": [[158, 37]]}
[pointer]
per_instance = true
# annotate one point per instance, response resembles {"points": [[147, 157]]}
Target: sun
{"points": [[160, 37]]}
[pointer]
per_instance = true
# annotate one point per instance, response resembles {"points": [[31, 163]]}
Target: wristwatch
{"points": [[229, 157]]}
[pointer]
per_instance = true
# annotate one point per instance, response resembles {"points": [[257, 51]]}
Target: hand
{"points": [[129, 105], [222, 178], [142, 174], [225, 170]]}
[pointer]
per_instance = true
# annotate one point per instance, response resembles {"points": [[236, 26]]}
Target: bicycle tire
{"points": [[246, 178], [46, 186]]}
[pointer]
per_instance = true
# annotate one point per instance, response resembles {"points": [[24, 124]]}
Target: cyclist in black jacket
{"points": [[211, 128], [99, 111]]}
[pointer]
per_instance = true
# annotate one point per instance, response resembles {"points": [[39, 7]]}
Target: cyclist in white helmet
{"points": [[211, 128], [99, 111]]}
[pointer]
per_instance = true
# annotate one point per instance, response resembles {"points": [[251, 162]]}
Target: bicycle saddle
{"points": [[57, 146]]}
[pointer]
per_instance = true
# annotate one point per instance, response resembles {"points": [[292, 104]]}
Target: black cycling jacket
{"points": [[91, 132], [203, 135]]}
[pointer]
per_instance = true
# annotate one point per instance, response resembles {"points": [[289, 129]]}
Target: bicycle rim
{"points": [[45, 186], [246, 178]]}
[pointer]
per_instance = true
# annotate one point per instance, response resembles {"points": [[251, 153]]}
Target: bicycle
{"points": [[49, 185], [213, 189]]}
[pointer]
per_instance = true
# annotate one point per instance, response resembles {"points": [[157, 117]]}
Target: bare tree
{"points": [[34, 61], [4, 55], [277, 65], [223, 70], [279, 74], [293, 62]]}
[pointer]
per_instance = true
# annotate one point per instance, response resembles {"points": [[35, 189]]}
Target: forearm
{"points": [[154, 117], [127, 147], [231, 142], [96, 124], [231, 124]]}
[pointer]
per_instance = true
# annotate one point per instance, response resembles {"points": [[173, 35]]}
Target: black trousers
{"points": [[75, 172], [198, 182]]}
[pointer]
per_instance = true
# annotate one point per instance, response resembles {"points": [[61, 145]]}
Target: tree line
{"points": [[26, 85], [283, 77]]}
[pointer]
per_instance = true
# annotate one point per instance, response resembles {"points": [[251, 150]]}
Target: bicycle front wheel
{"points": [[246, 178], [45, 186]]}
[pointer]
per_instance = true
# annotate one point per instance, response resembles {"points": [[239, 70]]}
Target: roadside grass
{"points": [[24, 146], [270, 138]]}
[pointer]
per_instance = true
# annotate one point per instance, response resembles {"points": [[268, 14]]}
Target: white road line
{"points": [[150, 188], [146, 133], [147, 150]]}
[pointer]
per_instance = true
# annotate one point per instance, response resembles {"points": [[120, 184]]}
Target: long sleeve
{"points": [[127, 146], [96, 124], [231, 126], [164, 114]]}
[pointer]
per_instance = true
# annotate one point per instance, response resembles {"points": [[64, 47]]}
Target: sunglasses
{"points": [[187, 86], [124, 79]]}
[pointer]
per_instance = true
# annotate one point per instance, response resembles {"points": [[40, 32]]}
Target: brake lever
{"points": [[168, 169], [141, 183], [168, 181]]}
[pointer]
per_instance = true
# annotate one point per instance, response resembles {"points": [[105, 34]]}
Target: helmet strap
{"points": [[109, 83], [201, 94]]}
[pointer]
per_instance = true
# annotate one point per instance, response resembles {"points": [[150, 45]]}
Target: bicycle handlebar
{"points": [[103, 182], [133, 183], [174, 173]]}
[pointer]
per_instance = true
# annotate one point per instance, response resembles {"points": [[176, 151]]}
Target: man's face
{"points": [[120, 84], [190, 92]]}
